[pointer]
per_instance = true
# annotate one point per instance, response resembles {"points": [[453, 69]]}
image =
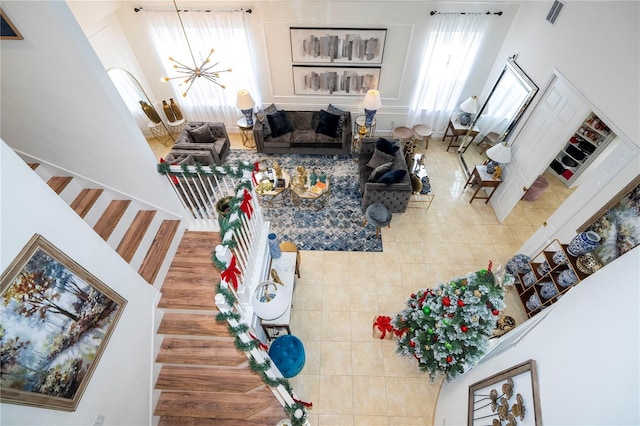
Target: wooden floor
{"points": [[204, 379]]}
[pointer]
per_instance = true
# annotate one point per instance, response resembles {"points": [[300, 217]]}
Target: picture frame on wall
{"points": [[617, 223], [511, 396], [337, 45], [8, 31], [56, 321], [328, 80]]}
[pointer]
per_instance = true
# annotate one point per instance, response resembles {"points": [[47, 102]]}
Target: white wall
{"points": [[120, 387], [587, 351], [59, 105]]}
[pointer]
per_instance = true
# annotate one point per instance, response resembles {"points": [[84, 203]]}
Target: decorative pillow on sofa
{"points": [[379, 171], [393, 176], [261, 116], [201, 134], [343, 116], [327, 123], [379, 158], [279, 123], [386, 146]]}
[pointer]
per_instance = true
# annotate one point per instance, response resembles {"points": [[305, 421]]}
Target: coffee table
{"points": [[307, 198], [277, 195]]}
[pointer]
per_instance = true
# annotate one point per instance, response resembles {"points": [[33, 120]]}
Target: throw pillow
{"points": [[261, 116], [279, 123], [327, 123], [201, 134], [387, 146], [343, 116], [393, 176], [379, 158], [379, 171]]}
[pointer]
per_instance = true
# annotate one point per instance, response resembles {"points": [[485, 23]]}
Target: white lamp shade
{"points": [[470, 105], [372, 100], [500, 153], [244, 100], [273, 306]]}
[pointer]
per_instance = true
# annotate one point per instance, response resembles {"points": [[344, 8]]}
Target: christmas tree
{"points": [[448, 328]]}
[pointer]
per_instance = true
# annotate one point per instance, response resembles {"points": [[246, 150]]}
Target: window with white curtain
{"points": [[448, 57], [224, 31]]}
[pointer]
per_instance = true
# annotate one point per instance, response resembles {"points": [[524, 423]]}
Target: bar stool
{"points": [[405, 135], [422, 133], [488, 141]]}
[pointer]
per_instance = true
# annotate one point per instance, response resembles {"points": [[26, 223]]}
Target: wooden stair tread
{"points": [[193, 325], [270, 415], [155, 256], [110, 218], [218, 405], [207, 379], [200, 351], [59, 183], [33, 165], [133, 237], [85, 200], [203, 298]]}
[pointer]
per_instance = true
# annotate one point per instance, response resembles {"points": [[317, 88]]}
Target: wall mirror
{"points": [[132, 93], [506, 102]]}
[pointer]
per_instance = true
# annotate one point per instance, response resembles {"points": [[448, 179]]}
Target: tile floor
{"points": [[353, 379]]}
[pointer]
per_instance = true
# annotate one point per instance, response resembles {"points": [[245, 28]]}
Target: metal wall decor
{"points": [[510, 397], [348, 81], [337, 45]]}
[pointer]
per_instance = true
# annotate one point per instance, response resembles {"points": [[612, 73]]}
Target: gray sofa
{"points": [[208, 148], [304, 139], [394, 196]]}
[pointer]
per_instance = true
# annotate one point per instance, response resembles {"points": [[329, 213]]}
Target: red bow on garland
{"points": [[306, 404], [260, 344], [256, 169], [383, 323], [246, 206], [173, 178], [230, 274]]}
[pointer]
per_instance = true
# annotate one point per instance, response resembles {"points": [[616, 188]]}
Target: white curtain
{"points": [[448, 57], [224, 31]]}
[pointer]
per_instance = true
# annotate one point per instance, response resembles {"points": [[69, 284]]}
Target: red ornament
{"points": [[446, 301], [450, 315], [412, 343], [495, 312], [464, 328], [449, 358], [413, 296], [460, 303]]}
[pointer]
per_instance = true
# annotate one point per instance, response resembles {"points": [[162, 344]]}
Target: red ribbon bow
{"points": [[490, 265], [260, 344], [306, 404], [256, 169], [246, 206], [173, 178], [383, 323], [230, 274]]}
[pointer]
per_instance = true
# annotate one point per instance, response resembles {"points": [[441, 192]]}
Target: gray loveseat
{"points": [[303, 137], [394, 196], [207, 145]]}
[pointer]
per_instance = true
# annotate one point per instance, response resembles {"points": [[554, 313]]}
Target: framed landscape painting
{"points": [[617, 223], [348, 81], [55, 322], [337, 45]]}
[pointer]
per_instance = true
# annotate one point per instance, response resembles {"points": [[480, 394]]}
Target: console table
{"points": [[285, 266], [484, 180]]}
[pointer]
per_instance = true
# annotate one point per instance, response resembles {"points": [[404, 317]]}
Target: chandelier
{"points": [[190, 74]]}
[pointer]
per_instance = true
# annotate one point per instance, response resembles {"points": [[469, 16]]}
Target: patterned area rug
{"points": [[337, 226]]}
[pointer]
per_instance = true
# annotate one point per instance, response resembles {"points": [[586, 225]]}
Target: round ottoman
{"points": [[422, 133], [287, 353], [377, 215], [403, 133]]}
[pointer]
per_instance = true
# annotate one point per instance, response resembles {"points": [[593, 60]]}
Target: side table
{"points": [[176, 127], [307, 198], [484, 180], [457, 129], [246, 132], [161, 133], [359, 122]]}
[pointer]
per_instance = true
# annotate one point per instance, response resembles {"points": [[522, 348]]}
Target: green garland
{"points": [[236, 171]]}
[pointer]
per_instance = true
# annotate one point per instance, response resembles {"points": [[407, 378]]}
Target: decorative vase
{"points": [[583, 243], [491, 167], [150, 112], [544, 268], [559, 257], [175, 109], [588, 263], [567, 278], [274, 246], [167, 111], [533, 303], [322, 177], [313, 178], [548, 290]]}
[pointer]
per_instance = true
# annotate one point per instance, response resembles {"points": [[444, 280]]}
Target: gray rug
{"points": [[337, 226]]}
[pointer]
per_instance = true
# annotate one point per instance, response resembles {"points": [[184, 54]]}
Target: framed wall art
{"points": [[55, 322], [617, 223], [353, 81], [509, 397], [8, 31], [337, 45]]}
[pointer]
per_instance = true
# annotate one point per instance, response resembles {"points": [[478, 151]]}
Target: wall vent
{"points": [[552, 16]]}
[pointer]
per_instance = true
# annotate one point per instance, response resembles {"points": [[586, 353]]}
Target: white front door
{"points": [[558, 114]]}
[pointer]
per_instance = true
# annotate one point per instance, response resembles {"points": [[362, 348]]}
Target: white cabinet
{"points": [[581, 149]]}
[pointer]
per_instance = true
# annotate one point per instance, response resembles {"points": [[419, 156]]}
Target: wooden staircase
{"points": [[203, 379]]}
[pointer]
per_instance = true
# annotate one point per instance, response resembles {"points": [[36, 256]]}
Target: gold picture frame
{"points": [[55, 323], [508, 397], [8, 31]]}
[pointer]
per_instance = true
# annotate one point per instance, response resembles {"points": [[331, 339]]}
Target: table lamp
{"points": [[245, 103], [371, 104], [498, 154], [470, 106]]}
